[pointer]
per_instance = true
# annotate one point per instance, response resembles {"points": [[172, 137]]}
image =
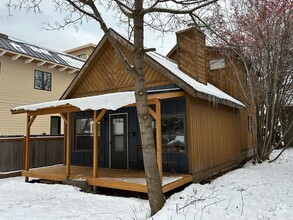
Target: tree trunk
{"points": [[154, 186]]}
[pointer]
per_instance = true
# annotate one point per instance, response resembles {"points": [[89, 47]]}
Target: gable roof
{"points": [[19, 47], [169, 69]]}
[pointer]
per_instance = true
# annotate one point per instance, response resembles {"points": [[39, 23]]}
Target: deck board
{"points": [[110, 178]]}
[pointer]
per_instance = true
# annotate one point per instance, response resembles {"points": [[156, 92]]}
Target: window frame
{"points": [[217, 64], [184, 132], [90, 136], [43, 85]]}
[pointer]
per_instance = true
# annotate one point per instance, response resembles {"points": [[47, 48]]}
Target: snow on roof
{"points": [[111, 101], [200, 87]]}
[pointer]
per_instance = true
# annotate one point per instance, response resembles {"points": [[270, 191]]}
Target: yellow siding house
{"points": [[30, 74]]}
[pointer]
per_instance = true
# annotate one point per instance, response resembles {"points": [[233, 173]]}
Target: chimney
{"points": [[191, 54]]}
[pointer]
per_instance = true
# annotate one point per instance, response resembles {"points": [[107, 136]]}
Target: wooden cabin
{"points": [[199, 129], [82, 52]]}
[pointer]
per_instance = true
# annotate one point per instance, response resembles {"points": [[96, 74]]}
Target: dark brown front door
{"points": [[118, 141]]}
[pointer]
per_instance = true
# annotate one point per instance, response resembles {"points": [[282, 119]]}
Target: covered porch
{"points": [[108, 178], [124, 179]]}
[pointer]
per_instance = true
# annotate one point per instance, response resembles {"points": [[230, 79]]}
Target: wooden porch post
{"points": [[64, 117], [159, 137], [157, 116], [96, 147], [68, 150], [29, 122], [97, 119]]}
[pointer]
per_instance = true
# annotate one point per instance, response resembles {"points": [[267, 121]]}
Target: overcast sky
{"points": [[29, 27]]}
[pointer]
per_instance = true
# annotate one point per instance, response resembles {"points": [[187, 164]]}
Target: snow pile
{"points": [[263, 191], [111, 101]]}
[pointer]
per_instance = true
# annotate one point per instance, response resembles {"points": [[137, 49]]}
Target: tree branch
{"points": [[97, 16], [127, 11], [154, 9]]}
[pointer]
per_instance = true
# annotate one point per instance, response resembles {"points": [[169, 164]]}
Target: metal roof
{"points": [[41, 53]]}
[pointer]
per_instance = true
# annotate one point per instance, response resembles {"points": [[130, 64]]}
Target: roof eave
{"points": [[217, 100], [21, 55], [190, 90]]}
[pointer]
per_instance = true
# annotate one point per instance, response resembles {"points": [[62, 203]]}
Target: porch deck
{"points": [[110, 178]]}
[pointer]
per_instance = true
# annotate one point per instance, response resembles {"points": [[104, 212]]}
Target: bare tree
{"points": [[260, 34], [161, 15]]}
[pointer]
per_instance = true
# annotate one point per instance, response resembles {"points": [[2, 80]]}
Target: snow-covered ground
{"points": [[264, 191], [257, 192], [19, 200]]}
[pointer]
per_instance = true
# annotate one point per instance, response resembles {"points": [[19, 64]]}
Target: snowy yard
{"points": [[254, 192]]}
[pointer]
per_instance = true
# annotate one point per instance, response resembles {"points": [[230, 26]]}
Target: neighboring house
{"points": [[31, 74], [199, 129], [82, 52]]}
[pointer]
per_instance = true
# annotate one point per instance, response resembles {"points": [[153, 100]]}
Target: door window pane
{"points": [[173, 133], [118, 134], [118, 128], [118, 140], [119, 143]]}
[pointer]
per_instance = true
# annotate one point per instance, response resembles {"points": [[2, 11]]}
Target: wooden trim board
{"points": [[58, 173]]}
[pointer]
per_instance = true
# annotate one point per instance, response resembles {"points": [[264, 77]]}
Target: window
{"points": [[84, 129], [42, 80], [55, 125], [82, 56], [173, 133], [217, 64]]}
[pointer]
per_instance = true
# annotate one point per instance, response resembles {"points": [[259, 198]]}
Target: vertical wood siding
{"points": [[214, 135], [192, 53]]}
